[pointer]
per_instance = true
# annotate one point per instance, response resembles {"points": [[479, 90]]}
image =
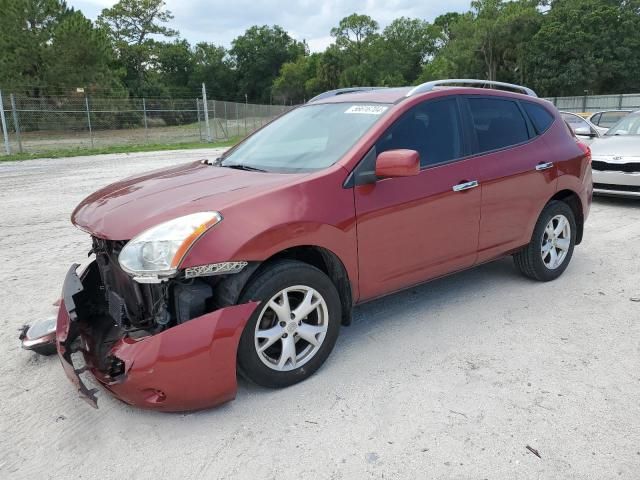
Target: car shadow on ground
{"points": [[618, 202], [435, 294]]}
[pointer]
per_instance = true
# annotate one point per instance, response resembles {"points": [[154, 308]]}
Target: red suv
{"points": [[255, 260]]}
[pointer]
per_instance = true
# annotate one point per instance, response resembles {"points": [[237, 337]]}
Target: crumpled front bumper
{"points": [[187, 367]]}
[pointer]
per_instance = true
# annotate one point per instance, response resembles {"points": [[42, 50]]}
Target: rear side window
{"points": [[539, 116], [498, 123]]}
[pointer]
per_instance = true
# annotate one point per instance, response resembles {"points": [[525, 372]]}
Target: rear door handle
{"points": [[544, 166], [465, 186]]}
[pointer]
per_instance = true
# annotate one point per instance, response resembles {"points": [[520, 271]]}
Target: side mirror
{"points": [[584, 132], [398, 163]]}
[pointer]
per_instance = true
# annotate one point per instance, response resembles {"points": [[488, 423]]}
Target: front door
{"points": [[412, 229]]}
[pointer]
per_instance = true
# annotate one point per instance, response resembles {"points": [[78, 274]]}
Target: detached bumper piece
{"points": [[189, 366], [40, 336]]}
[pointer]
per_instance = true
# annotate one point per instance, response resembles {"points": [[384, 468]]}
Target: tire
{"points": [[532, 261], [292, 356]]}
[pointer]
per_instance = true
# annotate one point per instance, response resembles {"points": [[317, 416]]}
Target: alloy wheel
{"points": [[291, 328], [556, 241]]}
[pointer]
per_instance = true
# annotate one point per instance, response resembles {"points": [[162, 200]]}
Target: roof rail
{"points": [[341, 91], [427, 87]]}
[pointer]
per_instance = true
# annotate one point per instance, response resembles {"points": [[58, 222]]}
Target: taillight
{"points": [[585, 149]]}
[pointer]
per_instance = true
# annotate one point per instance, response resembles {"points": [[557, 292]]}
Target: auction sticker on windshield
{"points": [[367, 109]]}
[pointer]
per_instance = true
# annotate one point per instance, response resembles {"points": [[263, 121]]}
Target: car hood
{"points": [[126, 208], [618, 146]]}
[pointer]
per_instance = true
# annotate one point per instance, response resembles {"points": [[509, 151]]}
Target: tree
{"points": [[354, 35], [79, 55], [259, 54], [214, 67], [45, 46], [488, 42], [586, 45], [26, 27], [297, 81], [402, 50], [131, 24]]}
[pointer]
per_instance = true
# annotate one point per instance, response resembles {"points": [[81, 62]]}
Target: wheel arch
{"points": [[572, 199], [321, 258]]}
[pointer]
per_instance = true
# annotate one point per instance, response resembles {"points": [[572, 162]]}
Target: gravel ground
{"points": [[448, 380]]}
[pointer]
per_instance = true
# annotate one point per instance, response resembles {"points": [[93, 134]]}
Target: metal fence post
{"points": [[620, 102], [226, 124], [215, 137], [86, 102], [144, 112], [206, 112], [7, 147], [16, 124], [199, 121], [238, 118]]}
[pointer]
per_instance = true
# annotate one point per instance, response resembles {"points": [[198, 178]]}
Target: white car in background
{"points": [[616, 159], [586, 131]]}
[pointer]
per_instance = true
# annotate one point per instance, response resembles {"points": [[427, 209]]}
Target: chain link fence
{"points": [[38, 125], [78, 122], [594, 103]]}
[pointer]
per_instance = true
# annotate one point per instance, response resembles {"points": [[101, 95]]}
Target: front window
{"points": [[629, 125], [309, 138]]}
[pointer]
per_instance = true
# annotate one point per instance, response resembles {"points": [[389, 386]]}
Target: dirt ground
{"points": [[453, 379]]}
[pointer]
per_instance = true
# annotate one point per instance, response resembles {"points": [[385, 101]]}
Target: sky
{"points": [[220, 21]]}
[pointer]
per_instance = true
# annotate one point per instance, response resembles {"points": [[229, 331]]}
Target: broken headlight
{"points": [[157, 252]]}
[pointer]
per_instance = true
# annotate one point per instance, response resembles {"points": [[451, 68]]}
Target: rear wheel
{"points": [[295, 327], [551, 247]]}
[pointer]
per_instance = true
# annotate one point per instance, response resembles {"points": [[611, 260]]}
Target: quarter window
{"points": [[539, 116], [497, 123], [431, 128]]}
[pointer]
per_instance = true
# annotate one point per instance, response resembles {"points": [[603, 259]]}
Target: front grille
{"points": [[632, 167], [618, 188], [129, 304]]}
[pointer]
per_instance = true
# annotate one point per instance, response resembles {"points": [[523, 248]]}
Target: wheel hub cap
{"points": [[291, 328], [556, 241]]}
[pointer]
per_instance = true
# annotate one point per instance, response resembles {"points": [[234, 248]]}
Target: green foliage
{"points": [[558, 47], [587, 45], [258, 55]]}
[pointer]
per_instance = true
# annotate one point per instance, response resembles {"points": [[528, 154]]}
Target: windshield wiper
{"points": [[241, 166]]}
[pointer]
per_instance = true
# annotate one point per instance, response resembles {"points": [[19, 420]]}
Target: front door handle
{"points": [[544, 166], [465, 186]]}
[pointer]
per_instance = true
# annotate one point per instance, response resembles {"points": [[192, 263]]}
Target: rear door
{"points": [[411, 229], [516, 173]]}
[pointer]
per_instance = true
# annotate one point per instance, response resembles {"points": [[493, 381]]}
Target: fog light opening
{"points": [[154, 396]]}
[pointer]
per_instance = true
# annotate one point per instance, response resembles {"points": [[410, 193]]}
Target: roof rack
{"points": [[341, 91], [429, 86]]}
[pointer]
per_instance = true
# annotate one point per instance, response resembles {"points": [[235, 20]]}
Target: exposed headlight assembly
{"points": [[156, 253]]}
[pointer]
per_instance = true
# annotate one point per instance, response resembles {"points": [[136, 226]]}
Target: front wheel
{"points": [[551, 247], [295, 327]]}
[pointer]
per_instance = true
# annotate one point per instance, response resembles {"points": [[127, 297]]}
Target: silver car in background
{"points": [[616, 159], [586, 131]]}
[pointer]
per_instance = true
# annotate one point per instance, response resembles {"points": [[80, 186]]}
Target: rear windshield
{"points": [[311, 137]]}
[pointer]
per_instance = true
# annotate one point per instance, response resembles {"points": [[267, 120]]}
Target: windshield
{"points": [[629, 125], [308, 138]]}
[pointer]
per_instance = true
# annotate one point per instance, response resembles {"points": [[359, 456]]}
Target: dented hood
{"points": [[126, 208]]}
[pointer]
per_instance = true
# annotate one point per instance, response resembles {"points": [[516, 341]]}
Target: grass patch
{"points": [[151, 147]]}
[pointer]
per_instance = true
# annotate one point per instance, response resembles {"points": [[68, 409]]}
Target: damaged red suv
{"points": [[252, 262]]}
